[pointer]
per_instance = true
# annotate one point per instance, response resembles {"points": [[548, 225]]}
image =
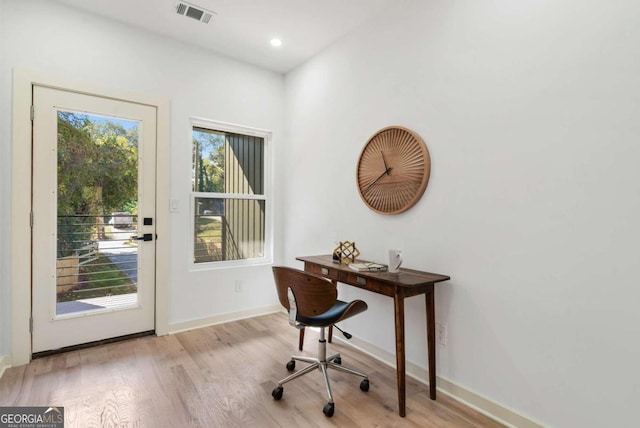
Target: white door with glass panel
{"points": [[93, 236]]}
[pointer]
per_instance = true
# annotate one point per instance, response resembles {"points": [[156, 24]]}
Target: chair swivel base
{"points": [[322, 363]]}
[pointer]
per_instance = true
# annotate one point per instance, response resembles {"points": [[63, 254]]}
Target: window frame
{"points": [[266, 135]]}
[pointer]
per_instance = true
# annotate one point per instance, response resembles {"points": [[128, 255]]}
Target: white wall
{"points": [[530, 110], [49, 38]]}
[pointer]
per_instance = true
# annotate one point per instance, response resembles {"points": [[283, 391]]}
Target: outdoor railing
{"points": [[96, 256]]}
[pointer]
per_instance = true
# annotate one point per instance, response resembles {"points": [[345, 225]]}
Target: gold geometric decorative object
{"points": [[346, 252], [393, 170]]}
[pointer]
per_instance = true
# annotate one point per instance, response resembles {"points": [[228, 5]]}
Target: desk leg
{"points": [[330, 335], [431, 342], [400, 357], [301, 339]]}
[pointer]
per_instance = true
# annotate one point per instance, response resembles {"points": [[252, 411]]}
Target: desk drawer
{"points": [[323, 271], [368, 283]]}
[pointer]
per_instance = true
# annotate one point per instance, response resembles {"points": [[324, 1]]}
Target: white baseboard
{"points": [[5, 363], [219, 319], [476, 401]]}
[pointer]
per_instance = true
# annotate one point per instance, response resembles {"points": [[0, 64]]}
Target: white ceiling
{"points": [[242, 29]]}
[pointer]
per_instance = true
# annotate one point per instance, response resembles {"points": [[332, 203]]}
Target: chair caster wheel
{"points": [[277, 393], [291, 365], [328, 409], [364, 385], [337, 360]]}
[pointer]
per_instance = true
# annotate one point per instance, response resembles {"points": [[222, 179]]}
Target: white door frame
{"points": [[21, 202]]}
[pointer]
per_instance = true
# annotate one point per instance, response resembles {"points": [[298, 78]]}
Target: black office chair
{"points": [[312, 301]]}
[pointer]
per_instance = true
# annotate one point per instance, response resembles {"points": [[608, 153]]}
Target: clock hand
{"points": [[386, 168], [386, 172]]}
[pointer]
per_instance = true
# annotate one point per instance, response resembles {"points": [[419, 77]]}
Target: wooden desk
{"points": [[401, 285]]}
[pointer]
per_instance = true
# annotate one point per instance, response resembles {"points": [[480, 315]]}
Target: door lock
{"points": [[145, 237]]}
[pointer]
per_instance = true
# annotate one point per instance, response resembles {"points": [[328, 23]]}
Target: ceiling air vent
{"points": [[195, 12]]}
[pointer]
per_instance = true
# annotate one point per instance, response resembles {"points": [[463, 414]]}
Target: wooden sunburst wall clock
{"points": [[393, 170]]}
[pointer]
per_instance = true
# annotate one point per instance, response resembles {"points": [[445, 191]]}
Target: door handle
{"points": [[145, 237]]}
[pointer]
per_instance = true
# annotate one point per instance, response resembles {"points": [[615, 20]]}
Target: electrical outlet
{"points": [[441, 333], [238, 286]]}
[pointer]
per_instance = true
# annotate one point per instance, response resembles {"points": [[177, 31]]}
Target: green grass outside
{"points": [[209, 228]]}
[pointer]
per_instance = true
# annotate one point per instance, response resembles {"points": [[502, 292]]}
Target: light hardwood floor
{"points": [[221, 376]]}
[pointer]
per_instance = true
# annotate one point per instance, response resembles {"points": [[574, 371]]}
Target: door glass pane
{"points": [[97, 255]]}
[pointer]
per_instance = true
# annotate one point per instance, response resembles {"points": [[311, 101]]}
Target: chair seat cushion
{"points": [[338, 312]]}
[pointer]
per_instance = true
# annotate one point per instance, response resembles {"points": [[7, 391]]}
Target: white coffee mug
{"points": [[395, 260]]}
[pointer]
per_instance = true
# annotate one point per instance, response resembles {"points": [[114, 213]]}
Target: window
{"points": [[229, 194]]}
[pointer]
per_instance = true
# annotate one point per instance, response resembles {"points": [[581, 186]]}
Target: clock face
{"points": [[393, 170]]}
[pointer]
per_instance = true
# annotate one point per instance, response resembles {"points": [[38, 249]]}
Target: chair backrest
{"points": [[314, 294]]}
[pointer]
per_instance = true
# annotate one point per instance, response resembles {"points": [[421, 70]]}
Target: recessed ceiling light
{"points": [[276, 43]]}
